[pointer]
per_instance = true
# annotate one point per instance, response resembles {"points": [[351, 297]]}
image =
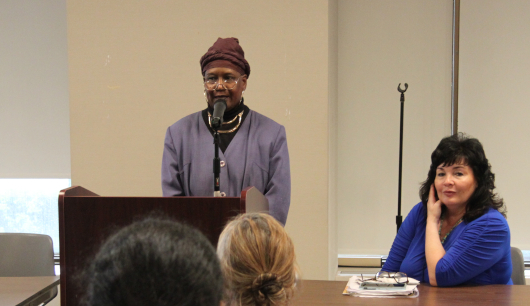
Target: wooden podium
{"points": [[86, 220]]}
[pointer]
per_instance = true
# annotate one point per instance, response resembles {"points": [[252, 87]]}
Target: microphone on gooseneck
{"points": [[219, 108]]}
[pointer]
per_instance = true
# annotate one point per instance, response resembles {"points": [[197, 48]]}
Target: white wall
{"points": [[494, 97], [134, 70], [351, 55], [381, 44], [34, 117], [34, 111]]}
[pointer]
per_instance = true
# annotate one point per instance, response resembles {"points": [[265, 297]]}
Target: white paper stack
{"points": [[353, 288]]}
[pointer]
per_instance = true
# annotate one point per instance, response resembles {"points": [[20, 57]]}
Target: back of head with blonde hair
{"points": [[258, 261]]}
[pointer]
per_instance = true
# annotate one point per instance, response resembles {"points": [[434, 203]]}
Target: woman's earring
{"points": [[242, 93], [205, 97]]}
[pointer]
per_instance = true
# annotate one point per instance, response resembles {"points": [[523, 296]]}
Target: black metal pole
{"points": [[216, 165], [399, 218]]}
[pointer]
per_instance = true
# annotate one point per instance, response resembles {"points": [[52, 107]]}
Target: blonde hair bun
{"points": [[267, 286], [258, 262]]}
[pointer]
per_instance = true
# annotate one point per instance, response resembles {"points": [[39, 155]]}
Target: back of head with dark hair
{"points": [[155, 262], [461, 149]]}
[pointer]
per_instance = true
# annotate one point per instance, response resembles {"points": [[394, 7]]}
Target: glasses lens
{"points": [[209, 86], [401, 277], [229, 82], [212, 83], [382, 275]]}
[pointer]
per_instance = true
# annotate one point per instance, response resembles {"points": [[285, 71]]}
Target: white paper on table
{"points": [[353, 288]]}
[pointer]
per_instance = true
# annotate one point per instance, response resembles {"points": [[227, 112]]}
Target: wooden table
{"points": [[15, 291], [330, 293]]}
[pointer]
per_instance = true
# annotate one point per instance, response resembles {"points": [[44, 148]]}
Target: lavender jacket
{"points": [[257, 156]]}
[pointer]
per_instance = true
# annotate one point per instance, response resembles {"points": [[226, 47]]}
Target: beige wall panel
{"points": [[333, 66], [494, 91], [134, 70], [383, 43]]}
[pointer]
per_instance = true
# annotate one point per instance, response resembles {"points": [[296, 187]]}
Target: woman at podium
{"points": [[253, 148], [458, 233]]}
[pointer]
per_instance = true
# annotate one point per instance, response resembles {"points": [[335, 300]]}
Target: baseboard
{"points": [[347, 260]]}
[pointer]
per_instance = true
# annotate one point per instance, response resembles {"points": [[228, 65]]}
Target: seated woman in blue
{"points": [[458, 233]]}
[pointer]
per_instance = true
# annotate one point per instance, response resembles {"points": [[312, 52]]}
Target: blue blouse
{"points": [[477, 252]]}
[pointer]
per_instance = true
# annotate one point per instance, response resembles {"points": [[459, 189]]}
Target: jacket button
{"points": [[223, 163]]}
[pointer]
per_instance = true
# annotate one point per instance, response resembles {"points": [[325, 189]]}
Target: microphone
{"points": [[219, 108]]}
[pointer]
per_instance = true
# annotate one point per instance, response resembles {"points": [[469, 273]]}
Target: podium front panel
{"points": [[86, 221]]}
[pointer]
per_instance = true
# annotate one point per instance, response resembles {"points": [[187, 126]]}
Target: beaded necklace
{"points": [[440, 229]]}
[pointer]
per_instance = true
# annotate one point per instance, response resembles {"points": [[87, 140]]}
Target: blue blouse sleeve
{"points": [[403, 240], [483, 244]]}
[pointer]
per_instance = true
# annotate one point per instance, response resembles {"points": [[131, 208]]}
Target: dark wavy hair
{"points": [[154, 262], [460, 148]]}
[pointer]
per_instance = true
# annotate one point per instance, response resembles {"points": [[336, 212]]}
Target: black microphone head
{"points": [[219, 108], [219, 101]]}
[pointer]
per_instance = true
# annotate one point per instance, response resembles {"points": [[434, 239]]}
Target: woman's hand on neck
{"points": [[434, 250]]}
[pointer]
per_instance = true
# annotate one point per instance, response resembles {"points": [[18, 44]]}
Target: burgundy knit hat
{"points": [[225, 52]]}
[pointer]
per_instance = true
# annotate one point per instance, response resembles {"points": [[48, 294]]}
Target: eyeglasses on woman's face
{"points": [[214, 82]]}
